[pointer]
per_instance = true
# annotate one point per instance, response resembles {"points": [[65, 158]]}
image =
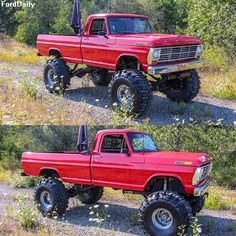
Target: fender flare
{"points": [[164, 175], [127, 55]]}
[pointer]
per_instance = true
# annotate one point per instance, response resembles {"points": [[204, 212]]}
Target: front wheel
{"points": [[161, 213], [131, 91], [182, 89]]}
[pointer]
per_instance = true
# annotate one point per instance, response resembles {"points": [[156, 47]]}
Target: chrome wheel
{"points": [[50, 77], [124, 95], [46, 200], [162, 219]]}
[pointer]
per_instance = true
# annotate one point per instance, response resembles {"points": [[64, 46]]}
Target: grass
{"points": [[11, 51], [14, 179], [117, 195], [220, 84], [22, 103], [221, 199], [233, 226]]}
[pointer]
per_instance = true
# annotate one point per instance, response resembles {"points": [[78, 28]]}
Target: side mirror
{"points": [[126, 151]]}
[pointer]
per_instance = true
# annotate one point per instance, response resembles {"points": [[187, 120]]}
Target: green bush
{"points": [[225, 90], [215, 202], [29, 87], [215, 57], [23, 182], [27, 215]]}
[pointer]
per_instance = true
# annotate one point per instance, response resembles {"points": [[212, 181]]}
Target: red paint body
{"points": [[116, 170], [104, 52]]}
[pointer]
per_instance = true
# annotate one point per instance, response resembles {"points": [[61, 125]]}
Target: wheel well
{"points": [[49, 173], [54, 52], [128, 62], [165, 183]]}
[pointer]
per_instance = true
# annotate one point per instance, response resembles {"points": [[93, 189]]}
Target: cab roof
{"points": [[121, 131], [117, 14]]}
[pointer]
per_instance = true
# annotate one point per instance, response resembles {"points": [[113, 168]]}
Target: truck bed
{"points": [[72, 166], [69, 46]]}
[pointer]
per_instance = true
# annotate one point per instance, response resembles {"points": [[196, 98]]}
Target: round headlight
{"points": [[197, 176], [199, 50], [156, 54]]}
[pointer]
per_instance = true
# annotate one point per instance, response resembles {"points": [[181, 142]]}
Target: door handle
{"points": [[97, 157], [86, 39]]}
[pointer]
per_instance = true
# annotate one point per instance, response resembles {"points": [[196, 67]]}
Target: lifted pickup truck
{"points": [[174, 184], [126, 46]]}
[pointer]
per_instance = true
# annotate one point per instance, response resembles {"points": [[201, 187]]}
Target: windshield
{"points": [[142, 142], [129, 25]]}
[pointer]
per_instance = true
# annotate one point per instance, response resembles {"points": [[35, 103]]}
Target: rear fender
{"points": [[43, 171], [54, 52]]}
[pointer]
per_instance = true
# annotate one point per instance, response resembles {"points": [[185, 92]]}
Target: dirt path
{"points": [[120, 217], [84, 95]]}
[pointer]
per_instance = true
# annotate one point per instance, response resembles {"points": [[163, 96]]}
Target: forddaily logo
{"points": [[18, 4]]}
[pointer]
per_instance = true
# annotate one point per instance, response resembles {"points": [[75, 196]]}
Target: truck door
{"points": [[111, 166], [94, 44]]}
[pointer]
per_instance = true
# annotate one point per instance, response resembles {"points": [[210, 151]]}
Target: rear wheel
{"points": [[131, 90], [51, 197], [182, 89], [56, 75], [162, 213], [101, 77], [91, 196]]}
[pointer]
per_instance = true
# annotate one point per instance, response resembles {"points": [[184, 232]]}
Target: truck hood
{"points": [[157, 40], [177, 158]]}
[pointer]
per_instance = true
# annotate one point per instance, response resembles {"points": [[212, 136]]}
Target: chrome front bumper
{"points": [[202, 189], [156, 70]]}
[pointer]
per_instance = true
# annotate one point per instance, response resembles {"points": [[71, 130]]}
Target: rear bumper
{"points": [[202, 189], [156, 70]]}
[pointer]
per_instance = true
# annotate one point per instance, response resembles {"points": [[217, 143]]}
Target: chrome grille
{"points": [[178, 53]]}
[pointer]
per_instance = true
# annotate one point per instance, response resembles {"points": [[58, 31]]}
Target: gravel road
{"points": [[120, 217], [162, 111]]}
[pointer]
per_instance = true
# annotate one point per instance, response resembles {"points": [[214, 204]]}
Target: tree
{"points": [[8, 22], [38, 20], [167, 16], [215, 22], [62, 20]]}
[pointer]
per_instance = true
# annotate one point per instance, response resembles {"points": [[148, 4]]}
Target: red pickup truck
{"points": [[174, 184], [126, 46]]}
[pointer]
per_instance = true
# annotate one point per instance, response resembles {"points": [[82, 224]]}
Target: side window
{"points": [[98, 26], [114, 144]]}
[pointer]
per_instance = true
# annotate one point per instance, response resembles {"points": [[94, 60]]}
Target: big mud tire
{"points": [[51, 197], [56, 76], [131, 91], [161, 213], [185, 90], [91, 196], [101, 78]]}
